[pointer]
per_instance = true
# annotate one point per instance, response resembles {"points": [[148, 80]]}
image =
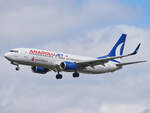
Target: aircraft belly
{"points": [[99, 69]]}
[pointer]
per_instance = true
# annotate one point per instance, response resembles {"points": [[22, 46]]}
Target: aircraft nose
{"points": [[6, 55]]}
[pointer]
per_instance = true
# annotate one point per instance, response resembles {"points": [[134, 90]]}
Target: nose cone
{"points": [[6, 55]]}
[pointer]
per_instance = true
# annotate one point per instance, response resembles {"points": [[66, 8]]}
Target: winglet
{"points": [[136, 50]]}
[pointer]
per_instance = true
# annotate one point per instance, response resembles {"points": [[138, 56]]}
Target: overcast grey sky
{"points": [[84, 27]]}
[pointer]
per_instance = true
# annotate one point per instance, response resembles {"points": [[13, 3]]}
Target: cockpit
{"points": [[14, 51]]}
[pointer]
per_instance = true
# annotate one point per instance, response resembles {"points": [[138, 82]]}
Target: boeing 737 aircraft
{"points": [[42, 61]]}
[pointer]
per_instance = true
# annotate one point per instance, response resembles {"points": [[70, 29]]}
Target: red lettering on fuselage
{"points": [[42, 52]]}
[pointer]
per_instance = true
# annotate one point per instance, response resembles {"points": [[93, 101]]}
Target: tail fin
{"points": [[118, 47]]}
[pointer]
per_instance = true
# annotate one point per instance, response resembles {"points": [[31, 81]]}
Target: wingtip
{"points": [[137, 48], [139, 44], [144, 61]]}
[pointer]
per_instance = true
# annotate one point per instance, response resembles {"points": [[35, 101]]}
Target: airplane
{"points": [[43, 61]]}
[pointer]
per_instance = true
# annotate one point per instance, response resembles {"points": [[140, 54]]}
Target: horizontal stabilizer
{"points": [[128, 63]]}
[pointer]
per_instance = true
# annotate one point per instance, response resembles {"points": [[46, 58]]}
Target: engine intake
{"points": [[69, 66], [38, 69]]}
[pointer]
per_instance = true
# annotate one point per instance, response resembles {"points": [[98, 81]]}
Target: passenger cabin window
{"points": [[14, 51]]}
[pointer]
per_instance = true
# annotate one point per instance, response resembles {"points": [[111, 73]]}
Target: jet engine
{"points": [[38, 69], [68, 66]]}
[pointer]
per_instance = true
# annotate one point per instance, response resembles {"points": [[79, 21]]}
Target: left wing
{"points": [[105, 60]]}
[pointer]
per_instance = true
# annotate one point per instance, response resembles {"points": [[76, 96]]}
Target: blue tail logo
{"points": [[118, 47]]}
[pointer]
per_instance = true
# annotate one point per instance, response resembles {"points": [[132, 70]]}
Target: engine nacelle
{"points": [[38, 69], [69, 66]]}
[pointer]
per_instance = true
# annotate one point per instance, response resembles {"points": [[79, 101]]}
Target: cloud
{"points": [[26, 22], [147, 111], [103, 39], [124, 108]]}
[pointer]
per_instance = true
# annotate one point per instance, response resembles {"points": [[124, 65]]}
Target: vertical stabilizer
{"points": [[118, 48]]}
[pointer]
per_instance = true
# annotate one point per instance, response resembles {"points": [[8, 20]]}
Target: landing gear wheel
{"points": [[76, 75], [17, 68], [59, 76]]}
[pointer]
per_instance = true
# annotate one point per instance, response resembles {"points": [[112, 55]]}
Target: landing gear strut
{"points": [[59, 76], [17, 68], [75, 75]]}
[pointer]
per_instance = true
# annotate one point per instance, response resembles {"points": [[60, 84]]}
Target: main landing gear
{"points": [[59, 76], [75, 75]]}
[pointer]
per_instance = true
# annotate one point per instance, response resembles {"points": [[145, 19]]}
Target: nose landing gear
{"points": [[17, 68]]}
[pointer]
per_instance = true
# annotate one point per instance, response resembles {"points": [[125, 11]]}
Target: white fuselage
{"points": [[52, 60]]}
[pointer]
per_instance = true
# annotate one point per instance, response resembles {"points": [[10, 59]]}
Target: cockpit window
{"points": [[14, 51]]}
